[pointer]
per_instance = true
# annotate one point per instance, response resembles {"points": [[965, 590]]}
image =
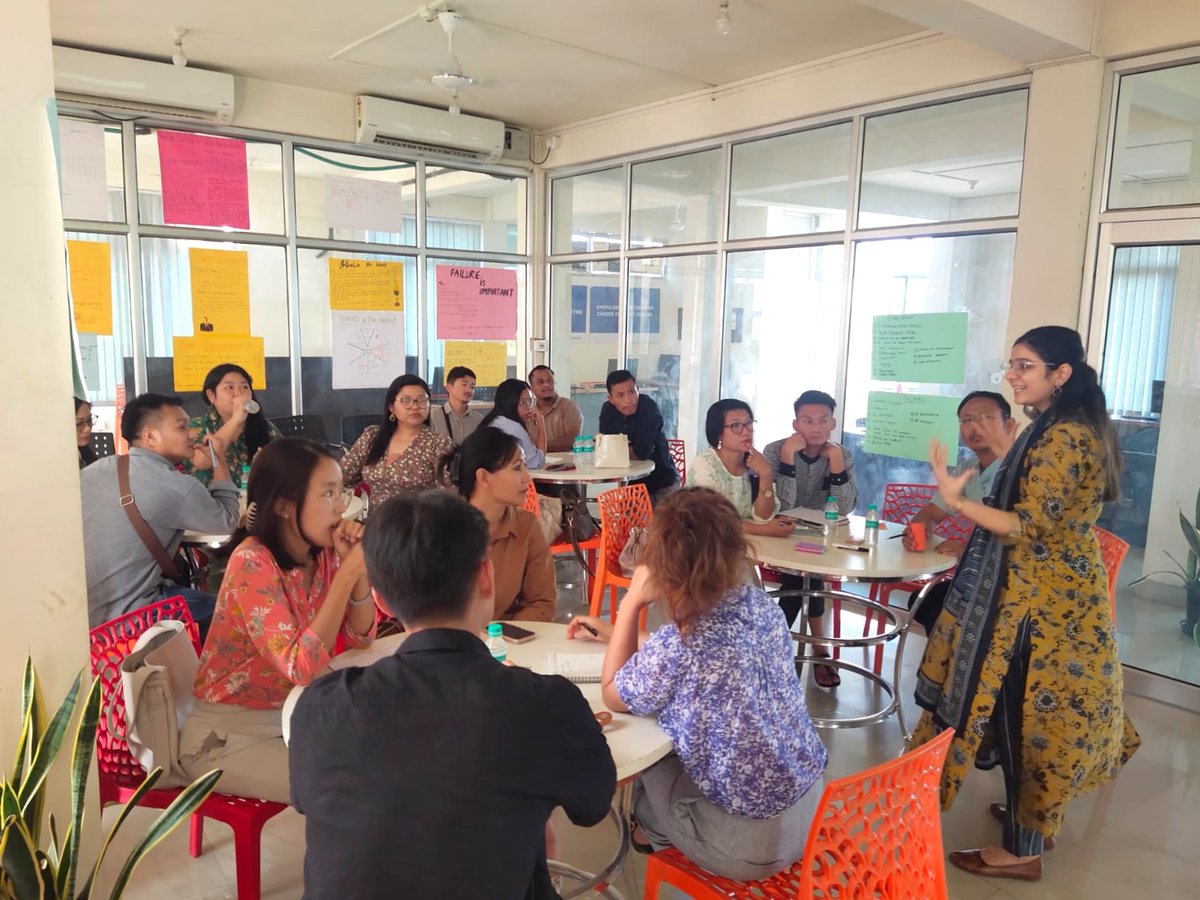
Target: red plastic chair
{"points": [[1112, 551], [679, 457], [621, 509], [590, 547], [875, 834], [120, 774]]}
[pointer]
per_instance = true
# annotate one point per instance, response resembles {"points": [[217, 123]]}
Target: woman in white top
{"points": [[515, 412], [731, 465]]}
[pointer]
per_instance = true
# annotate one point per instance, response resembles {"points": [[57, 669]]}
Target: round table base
{"points": [[853, 668]]}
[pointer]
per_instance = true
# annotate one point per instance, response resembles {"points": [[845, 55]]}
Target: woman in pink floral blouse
{"points": [[291, 588], [401, 454]]}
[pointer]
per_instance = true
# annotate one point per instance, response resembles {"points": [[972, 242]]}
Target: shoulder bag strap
{"points": [[139, 524]]}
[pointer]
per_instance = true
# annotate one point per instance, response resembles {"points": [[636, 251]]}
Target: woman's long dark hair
{"points": [[489, 449], [257, 433], [507, 402], [282, 472], [383, 437], [1081, 398], [87, 455]]}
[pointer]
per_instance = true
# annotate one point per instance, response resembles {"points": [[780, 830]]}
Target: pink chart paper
{"points": [[203, 180], [476, 304]]}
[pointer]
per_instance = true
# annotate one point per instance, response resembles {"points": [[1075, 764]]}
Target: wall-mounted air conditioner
{"points": [[421, 129], [126, 86]]}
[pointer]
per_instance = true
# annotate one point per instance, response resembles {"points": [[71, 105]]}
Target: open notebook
{"points": [[581, 668]]}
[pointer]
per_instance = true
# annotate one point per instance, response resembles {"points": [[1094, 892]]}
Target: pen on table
{"points": [[894, 536], [588, 628], [852, 547]]}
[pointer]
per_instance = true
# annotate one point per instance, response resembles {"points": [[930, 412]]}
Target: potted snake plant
{"points": [[1188, 575], [40, 863]]}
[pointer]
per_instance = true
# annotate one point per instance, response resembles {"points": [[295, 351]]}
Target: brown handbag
{"points": [[139, 524]]}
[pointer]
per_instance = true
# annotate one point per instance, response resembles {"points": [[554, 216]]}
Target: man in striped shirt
{"points": [[807, 469]]}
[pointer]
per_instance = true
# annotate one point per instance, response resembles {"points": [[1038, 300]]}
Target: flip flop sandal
{"points": [[825, 676], [639, 846]]}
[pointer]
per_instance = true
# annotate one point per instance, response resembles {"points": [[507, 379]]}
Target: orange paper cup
{"points": [[917, 530]]}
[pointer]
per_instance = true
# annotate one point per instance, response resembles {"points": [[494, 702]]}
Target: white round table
{"points": [[638, 468], [354, 509], [636, 742]]}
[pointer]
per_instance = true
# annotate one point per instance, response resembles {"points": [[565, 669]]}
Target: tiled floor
{"points": [[1138, 837]]}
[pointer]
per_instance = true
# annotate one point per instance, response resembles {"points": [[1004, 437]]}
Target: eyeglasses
{"points": [[741, 427], [971, 420], [527, 404], [81, 424], [334, 499], [411, 402], [1024, 365]]}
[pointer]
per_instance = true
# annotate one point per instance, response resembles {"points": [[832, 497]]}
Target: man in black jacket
{"points": [[637, 417], [433, 772]]}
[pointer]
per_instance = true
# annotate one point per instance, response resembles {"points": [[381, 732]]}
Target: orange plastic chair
{"points": [[621, 509], [590, 547], [120, 774], [679, 458], [1112, 551], [875, 834]]}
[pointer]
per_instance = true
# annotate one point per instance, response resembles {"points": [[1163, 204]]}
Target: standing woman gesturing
{"points": [[1024, 654]]}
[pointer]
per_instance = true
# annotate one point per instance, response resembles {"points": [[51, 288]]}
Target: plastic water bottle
{"points": [[585, 453], [829, 529], [495, 642], [871, 535]]}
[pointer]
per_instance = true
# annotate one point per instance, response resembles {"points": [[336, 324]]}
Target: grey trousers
{"points": [[246, 743], [674, 813]]}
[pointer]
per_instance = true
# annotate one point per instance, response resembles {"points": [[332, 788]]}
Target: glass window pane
{"points": [[92, 174], [106, 360], [676, 200], [581, 357], [791, 184], [969, 274], [264, 173], [167, 284], [474, 211], [347, 197], [586, 206], [1155, 157], [775, 299], [368, 353], [952, 161], [514, 359], [671, 338]]}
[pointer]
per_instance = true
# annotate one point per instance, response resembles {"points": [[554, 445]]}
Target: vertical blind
{"points": [[1139, 325]]}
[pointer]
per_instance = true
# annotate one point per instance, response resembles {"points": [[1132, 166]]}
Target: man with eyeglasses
{"points": [[987, 428], [560, 415]]}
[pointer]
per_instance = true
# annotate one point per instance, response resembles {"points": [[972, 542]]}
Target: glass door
{"points": [[1147, 320]]}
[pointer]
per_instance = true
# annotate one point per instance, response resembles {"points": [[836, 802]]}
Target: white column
{"points": [[41, 539]]}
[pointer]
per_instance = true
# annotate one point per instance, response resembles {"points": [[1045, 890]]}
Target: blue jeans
{"points": [[200, 604]]}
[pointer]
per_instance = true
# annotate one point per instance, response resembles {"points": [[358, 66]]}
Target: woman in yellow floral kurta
{"points": [[1024, 655]]}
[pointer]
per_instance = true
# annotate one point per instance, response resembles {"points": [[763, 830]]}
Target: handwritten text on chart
{"points": [[204, 180], [476, 304], [366, 284], [903, 424], [365, 204], [487, 359], [220, 291], [925, 347], [194, 357], [90, 266]]}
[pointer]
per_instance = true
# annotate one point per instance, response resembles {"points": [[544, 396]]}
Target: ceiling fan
{"points": [[450, 75]]}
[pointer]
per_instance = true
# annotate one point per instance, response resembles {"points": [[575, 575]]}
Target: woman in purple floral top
{"points": [[739, 793]]}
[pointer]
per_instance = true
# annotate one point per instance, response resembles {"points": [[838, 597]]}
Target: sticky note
{"points": [[220, 291], [90, 267]]}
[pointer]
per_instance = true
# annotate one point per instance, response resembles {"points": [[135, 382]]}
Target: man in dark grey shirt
{"points": [[122, 573]]}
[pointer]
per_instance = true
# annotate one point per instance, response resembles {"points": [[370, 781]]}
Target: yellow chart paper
{"points": [[90, 265], [220, 291], [196, 356], [487, 359], [366, 285]]}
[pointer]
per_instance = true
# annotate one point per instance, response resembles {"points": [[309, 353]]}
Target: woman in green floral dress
{"points": [[227, 388]]}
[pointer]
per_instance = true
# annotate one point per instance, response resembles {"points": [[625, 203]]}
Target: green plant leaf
{"points": [[81, 761], [28, 687], [130, 805], [30, 792], [1190, 534], [66, 864], [48, 875], [18, 858], [9, 804], [52, 851], [180, 810]]}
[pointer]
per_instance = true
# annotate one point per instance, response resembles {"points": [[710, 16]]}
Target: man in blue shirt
{"points": [[433, 772]]}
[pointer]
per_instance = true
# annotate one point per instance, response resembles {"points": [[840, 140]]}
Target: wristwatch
{"points": [[769, 493]]}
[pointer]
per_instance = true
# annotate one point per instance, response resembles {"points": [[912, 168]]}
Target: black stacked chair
{"points": [[302, 426], [102, 443], [354, 426]]}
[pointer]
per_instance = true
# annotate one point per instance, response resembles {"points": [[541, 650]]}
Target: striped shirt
{"points": [[807, 483]]}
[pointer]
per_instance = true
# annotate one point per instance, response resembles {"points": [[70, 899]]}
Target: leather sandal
{"points": [[972, 861], [825, 676], [999, 812], [640, 846]]}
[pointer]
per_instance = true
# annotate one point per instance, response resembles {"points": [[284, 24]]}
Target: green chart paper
{"points": [[924, 347]]}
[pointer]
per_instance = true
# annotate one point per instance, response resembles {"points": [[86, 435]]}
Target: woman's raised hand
{"points": [[950, 486]]}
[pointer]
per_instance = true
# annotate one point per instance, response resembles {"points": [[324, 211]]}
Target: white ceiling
{"points": [[541, 63]]}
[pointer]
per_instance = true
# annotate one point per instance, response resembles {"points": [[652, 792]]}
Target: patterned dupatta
{"points": [[973, 596]]}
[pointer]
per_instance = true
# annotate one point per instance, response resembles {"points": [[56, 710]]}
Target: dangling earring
{"points": [[1057, 392], [720, 445], [391, 417]]}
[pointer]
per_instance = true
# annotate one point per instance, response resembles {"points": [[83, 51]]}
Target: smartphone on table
{"points": [[515, 634]]}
